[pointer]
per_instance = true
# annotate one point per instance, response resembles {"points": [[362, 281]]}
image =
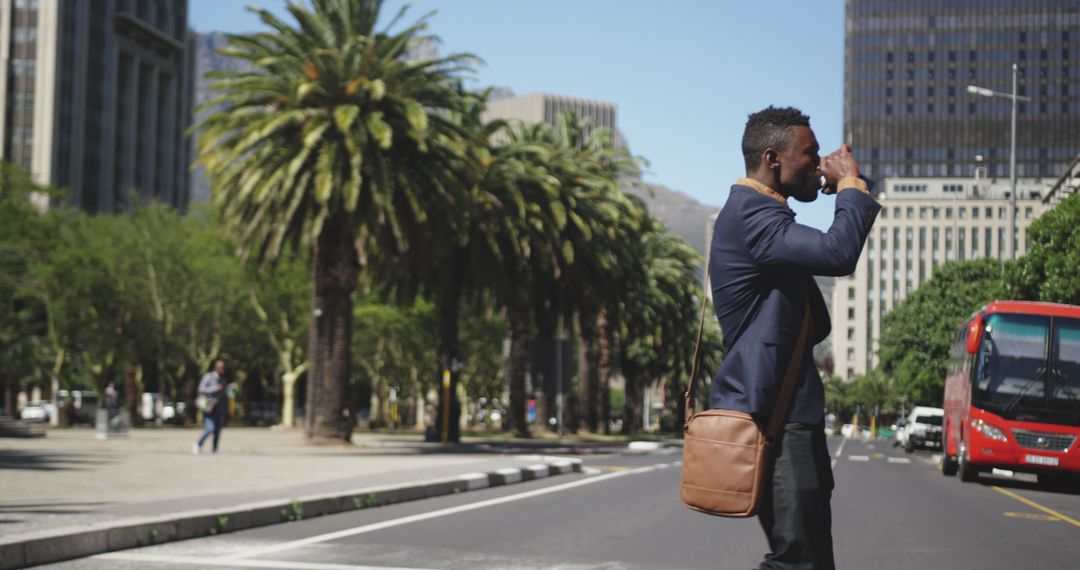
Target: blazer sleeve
{"points": [[775, 240]]}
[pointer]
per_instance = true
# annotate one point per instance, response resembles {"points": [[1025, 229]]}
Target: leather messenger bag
{"points": [[725, 453]]}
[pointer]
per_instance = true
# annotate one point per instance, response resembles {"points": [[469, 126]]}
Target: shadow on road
{"points": [[38, 461]]}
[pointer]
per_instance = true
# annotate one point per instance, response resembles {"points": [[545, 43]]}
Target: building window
{"points": [[851, 293], [851, 333], [851, 313], [24, 67], [1028, 212]]}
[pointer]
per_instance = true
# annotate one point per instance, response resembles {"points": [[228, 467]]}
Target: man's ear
{"points": [[770, 158]]}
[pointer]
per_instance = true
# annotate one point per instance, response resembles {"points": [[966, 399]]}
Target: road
{"points": [[891, 510]]}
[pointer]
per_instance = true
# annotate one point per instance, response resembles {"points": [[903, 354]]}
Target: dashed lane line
{"points": [[859, 458], [839, 451]]}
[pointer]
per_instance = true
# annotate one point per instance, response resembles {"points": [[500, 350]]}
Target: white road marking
{"points": [[899, 460], [245, 555], [859, 458], [839, 450], [205, 562]]}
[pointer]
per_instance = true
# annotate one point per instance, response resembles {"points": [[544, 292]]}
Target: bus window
{"points": [[1010, 372], [1065, 395]]}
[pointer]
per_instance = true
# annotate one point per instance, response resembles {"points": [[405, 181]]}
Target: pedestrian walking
{"points": [[213, 401], [762, 265]]}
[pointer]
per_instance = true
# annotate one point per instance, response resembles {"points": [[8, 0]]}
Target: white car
{"points": [[37, 411], [923, 429]]}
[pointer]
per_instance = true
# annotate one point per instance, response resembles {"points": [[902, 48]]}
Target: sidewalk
{"points": [[69, 494]]}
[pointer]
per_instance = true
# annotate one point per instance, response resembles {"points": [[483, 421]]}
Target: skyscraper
{"points": [[907, 65], [96, 98], [941, 154]]}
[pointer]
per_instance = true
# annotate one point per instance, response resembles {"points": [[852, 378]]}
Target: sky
{"points": [[684, 74]]}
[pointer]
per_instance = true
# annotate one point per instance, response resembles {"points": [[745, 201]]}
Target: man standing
{"points": [[214, 403], [762, 265]]}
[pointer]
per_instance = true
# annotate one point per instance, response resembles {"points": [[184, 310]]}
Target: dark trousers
{"points": [[213, 421], [795, 511]]}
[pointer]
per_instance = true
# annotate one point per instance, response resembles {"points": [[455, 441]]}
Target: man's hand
{"points": [[838, 165]]}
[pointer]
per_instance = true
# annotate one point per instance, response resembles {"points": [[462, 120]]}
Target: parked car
{"points": [[923, 430], [37, 411]]}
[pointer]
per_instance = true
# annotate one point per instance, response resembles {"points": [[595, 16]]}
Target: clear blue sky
{"points": [[684, 73]]}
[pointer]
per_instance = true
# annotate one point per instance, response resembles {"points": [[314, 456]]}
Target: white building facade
{"points": [[924, 223]]}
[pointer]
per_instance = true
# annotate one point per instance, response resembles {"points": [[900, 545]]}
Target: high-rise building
{"points": [[907, 65], [923, 224], [545, 108], [941, 153], [96, 98]]}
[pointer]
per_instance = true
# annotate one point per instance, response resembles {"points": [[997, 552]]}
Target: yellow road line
{"points": [[1031, 503]]}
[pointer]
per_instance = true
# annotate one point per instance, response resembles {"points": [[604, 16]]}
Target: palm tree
{"points": [[336, 142], [655, 341], [582, 266]]}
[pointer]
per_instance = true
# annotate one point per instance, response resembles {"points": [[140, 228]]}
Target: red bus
{"points": [[1012, 393]]}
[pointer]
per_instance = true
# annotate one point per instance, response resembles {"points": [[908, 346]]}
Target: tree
{"points": [[334, 142], [25, 237], [657, 328], [278, 301], [917, 334], [1048, 272], [875, 391]]}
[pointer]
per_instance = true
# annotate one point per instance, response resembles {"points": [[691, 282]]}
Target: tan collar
{"points": [[762, 189]]}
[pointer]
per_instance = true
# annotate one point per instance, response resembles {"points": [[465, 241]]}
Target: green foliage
{"points": [[1049, 271], [917, 334], [25, 237]]}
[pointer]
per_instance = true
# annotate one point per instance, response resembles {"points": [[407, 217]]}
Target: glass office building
{"points": [[907, 65], [96, 96]]}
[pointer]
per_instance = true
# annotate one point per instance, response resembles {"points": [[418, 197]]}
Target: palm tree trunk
{"points": [[632, 401], [448, 415], [603, 366], [589, 369], [519, 361], [336, 271], [547, 323]]}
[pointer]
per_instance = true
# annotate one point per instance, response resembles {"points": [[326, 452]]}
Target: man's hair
{"points": [[769, 128]]}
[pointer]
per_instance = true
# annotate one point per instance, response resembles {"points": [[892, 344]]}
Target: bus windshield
{"points": [[1013, 376]]}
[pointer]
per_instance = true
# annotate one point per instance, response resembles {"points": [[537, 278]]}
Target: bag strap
{"points": [[788, 386], [782, 401]]}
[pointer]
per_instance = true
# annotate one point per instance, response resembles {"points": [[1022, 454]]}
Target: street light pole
{"points": [[1012, 173], [984, 92]]}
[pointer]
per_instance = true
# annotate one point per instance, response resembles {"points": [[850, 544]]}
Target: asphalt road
{"points": [[891, 511]]}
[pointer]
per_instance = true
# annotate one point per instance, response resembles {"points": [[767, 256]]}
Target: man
{"points": [[761, 266], [212, 390]]}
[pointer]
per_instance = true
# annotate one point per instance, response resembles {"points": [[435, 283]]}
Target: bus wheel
{"points": [[948, 462], [965, 469]]}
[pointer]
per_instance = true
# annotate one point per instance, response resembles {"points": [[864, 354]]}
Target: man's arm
{"points": [[775, 240]]}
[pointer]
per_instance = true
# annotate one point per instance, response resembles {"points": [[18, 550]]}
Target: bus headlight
{"points": [[990, 431]]}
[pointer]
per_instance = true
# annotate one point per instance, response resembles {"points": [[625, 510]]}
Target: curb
{"points": [[46, 547]]}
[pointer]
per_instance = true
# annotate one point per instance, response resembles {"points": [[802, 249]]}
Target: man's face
{"points": [[219, 367], [799, 175]]}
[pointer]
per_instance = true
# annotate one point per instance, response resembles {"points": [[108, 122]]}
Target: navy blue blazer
{"points": [[762, 267]]}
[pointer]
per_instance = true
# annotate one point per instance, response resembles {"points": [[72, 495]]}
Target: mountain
{"points": [[683, 215], [206, 60]]}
